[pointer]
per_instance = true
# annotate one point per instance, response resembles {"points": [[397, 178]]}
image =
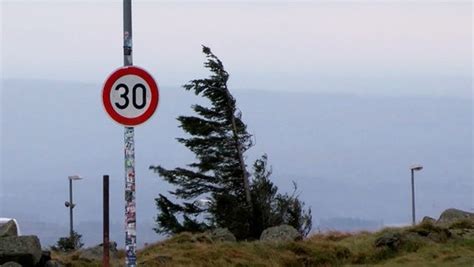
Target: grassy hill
{"points": [[426, 244]]}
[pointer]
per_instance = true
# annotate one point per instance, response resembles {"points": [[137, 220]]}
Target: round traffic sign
{"points": [[130, 95]]}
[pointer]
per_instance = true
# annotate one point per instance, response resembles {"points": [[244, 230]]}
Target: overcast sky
{"points": [[356, 47], [362, 144]]}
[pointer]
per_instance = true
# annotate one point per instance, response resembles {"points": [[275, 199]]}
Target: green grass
{"points": [[422, 245]]}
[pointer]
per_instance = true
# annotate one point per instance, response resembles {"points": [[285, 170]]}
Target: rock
{"points": [[221, 235], [280, 233], [95, 253], [10, 264], [52, 263], [26, 250], [8, 229], [452, 215], [45, 257], [428, 219], [390, 240]]}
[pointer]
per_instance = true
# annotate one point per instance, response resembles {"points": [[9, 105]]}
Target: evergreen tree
{"points": [[219, 139], [215, 190]]}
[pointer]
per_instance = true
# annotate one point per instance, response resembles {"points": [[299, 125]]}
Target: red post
{"points": [[106, 242]]}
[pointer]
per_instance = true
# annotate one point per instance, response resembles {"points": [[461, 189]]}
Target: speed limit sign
{"points": [[130, 95]]}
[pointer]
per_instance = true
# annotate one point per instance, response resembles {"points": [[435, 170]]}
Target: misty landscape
{"points": [[236, 133], [349, 155]]}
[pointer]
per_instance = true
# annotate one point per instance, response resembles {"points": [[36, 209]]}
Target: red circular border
{"points": [[130, 70]]}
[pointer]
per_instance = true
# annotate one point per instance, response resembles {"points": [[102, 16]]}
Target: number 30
{"points": [[134, 96]]}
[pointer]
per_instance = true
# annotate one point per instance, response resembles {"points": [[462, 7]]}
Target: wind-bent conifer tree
{"points": [[215, 190]]}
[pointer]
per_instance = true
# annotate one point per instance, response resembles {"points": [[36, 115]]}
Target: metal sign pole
{"points": [[106, 239], [130, 206], [413, 218]]}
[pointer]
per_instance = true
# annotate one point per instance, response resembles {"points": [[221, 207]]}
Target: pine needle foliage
{"points": [[215, 190], [272, 208]]}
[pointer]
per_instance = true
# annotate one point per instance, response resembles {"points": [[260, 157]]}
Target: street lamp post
{"points": [[69, 204], [413, 169]]}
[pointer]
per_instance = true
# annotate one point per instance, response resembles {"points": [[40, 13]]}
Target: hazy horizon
{"points": [[355, 91], [370, 47], [353, 152]]}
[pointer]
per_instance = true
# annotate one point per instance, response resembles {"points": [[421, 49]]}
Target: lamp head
{"points": [[75, 177], [416, 167]]}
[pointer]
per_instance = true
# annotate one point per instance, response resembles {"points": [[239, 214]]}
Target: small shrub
{"points": [[69, 243]]}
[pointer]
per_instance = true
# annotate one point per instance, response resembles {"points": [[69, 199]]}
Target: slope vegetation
{"points": [[426, 244]]}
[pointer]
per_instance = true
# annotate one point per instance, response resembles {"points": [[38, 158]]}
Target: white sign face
{"points": [[130, 96]]}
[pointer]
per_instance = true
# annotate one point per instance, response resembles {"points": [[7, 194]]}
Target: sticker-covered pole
{"points": [[127, 33], [130, 207]]}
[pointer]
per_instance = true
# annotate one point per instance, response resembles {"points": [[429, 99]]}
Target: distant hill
{"points": [[349, 154]]}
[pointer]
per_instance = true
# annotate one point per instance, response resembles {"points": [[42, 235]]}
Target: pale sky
{"points": [[353, 151], [355, 47]]}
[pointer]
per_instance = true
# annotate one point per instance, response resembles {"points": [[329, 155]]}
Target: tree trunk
{"points": [[239, 151]]}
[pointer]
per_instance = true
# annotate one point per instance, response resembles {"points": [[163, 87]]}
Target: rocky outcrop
{"points": [[450, 216], [390, 240], [8, 229], [21, 250], [280, 233], [428, 219], [25, 250], [221, 235]]}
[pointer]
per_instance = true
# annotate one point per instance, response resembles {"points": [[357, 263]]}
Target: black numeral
{"points": [[135, 104], [134, 96], [124, 96]]}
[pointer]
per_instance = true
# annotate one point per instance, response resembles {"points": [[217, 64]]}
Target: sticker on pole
{"points": [[130, 96]]}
